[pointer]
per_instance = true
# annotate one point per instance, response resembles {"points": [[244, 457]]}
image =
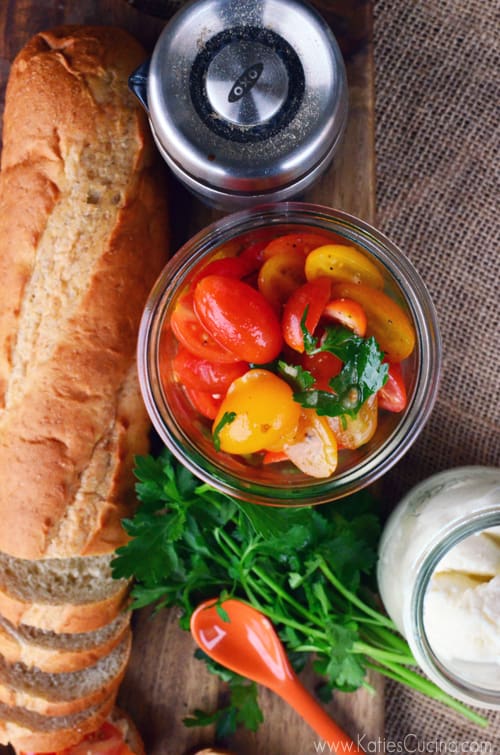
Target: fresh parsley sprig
{"points": [[309, 570], [362, 374]]}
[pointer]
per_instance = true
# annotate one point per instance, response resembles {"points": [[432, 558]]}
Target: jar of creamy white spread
{"points": [[439, 579]]}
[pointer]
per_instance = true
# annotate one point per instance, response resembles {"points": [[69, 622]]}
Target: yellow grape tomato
{"points": [[265, 414], [314, 448], [343, 263], [280, 275], [353, 432], [386, 320]]}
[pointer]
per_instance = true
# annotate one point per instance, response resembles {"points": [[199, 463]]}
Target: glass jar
{"points": [[189, 437], [432, 523]]}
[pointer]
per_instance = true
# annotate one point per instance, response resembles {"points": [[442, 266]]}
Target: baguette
{"points": [[64, 595], [83, 237]]}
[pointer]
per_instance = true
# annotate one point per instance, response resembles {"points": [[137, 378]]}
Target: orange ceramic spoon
{"points": [[248, 645]]}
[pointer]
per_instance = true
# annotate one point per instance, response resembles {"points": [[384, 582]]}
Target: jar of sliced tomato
{"points": [[289, 355]]}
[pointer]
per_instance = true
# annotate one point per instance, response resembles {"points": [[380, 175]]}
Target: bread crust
{"points": [[64, 617], [79, 251], [131, 734]]}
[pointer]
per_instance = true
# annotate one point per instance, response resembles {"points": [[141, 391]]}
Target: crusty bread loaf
{"points": [[82, 239], [83, 236], [54, 652]]}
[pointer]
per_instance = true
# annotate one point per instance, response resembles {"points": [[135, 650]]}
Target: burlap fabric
{"points": [[437, 140]]}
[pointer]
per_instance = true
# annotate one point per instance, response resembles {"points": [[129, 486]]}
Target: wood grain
{"points": [[164, 682]]}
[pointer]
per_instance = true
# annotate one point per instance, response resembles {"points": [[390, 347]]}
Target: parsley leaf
{"points": [[226, 419], [362, 375], [295, 374], [243, 707], [310, 343]]}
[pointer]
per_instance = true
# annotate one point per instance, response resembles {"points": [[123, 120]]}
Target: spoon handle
{"points": [[311, 711]]}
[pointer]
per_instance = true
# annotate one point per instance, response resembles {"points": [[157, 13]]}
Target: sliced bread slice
{"points": [[60, 594], [59, 580], [131, 736], [64, 693], [32, 732], [66, 618], [55, 652]]}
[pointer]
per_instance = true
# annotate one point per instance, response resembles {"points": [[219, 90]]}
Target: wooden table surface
{"points": [[164, 682]]}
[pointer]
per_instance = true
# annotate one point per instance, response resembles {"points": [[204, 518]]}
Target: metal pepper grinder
{"points": [[247, 99]]}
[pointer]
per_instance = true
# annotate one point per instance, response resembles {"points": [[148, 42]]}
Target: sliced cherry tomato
{"points": [[274, 457], [192, 335], [353, 432], [231, 267], [387, 322], [239, 318], [392, 396], [266, 416], [208, 404], [280, 275], [348, 313], [314, 448], [204, 375], [323, 366], [252, 255], [312, 296], [302, 242], [343, 263], [108, 740]]}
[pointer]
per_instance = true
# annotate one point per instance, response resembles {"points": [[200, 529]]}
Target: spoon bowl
{"points": [[243, 640]]}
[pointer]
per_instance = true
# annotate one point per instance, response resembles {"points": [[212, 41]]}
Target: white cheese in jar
{"points": [[462, 601]]}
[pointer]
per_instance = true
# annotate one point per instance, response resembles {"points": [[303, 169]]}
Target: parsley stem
{"points": [[273, 585], [382, 637], [220, 536], [352, 598], [379, 653], [278, 618], [413, 680], [286, 596]]}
